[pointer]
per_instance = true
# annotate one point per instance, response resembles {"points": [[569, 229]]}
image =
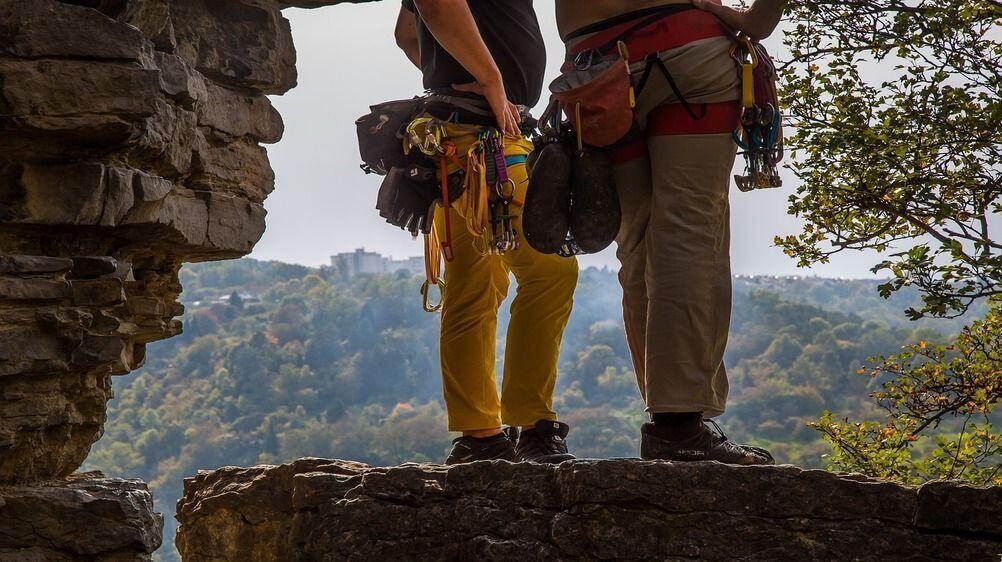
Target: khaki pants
{"points": [[675, 240], [476, 285]]}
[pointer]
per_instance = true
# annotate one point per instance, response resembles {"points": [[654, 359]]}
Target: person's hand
{"points": [[758, 23], [504, 111]]}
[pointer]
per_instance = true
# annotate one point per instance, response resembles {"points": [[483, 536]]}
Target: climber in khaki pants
{"points": [[673, 181], [493, 54]]}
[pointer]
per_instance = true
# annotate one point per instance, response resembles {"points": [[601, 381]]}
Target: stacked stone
{"points": [[131, 131], [130, 142]]}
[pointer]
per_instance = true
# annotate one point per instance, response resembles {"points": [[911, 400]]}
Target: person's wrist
{"points": [[492, 79]]}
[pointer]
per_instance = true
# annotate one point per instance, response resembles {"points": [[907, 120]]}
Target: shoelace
{"points": [[716, 427], [538, 444], [746, 448]]}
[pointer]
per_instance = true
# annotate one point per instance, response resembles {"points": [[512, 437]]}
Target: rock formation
{"points": [[84, 517], [131, 137], [130, 142], [317, 509]]}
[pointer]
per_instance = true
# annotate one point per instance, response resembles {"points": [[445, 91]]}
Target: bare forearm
{"points": [[453, 26]]}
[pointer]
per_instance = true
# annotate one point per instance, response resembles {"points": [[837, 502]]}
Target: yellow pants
{"points": [[475, 287]]}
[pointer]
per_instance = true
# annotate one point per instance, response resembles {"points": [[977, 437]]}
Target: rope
{"points": [[446, 245], [474, 204]]}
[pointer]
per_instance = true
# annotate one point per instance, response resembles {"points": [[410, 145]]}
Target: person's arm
{"points": [[453, 26], [406, 35], [759, 21]]}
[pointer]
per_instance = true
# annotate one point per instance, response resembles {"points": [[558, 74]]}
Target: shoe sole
{"points": [[551, 459], [546, 213], [595, 211]]}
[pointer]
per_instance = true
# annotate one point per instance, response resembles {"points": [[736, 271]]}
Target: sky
{"points": [[323, 204]]}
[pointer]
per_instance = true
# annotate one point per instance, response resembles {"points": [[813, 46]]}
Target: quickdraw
{"points": [[503, 237], [427, 134], [759, 135]]}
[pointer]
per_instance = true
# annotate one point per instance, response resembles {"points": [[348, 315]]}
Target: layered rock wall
{"points": [[316, 509], [130, 142], [131, 137]]}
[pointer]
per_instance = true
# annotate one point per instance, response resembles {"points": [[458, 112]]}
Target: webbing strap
{"points": [[625, 35], [654, 59], [450, 149]]}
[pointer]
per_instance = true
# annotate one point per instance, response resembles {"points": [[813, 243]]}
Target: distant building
{"points": [[361, 261], [414, 265]]}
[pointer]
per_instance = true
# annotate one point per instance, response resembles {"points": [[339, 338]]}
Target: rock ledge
{"points": [[315, 509], [82, 517]]}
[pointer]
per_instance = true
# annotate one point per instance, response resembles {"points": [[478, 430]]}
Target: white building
{"points": [[415, 265], [361, 261]]}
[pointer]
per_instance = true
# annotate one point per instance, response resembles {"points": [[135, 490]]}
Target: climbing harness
{"points": [[408, 142], [760, 132]]}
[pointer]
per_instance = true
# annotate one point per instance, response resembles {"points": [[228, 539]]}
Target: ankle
{"points": [[482, 433], [676, 426], [677, 418]]}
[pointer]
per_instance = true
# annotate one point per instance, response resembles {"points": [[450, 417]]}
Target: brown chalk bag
{"points": [[596, 94]]}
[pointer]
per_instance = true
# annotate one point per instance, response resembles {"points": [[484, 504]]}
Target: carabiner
{"points": [[431, 142], [426, 303], [502, 193]]}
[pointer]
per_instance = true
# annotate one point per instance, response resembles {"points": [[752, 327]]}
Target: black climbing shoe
{"points": [[595, 211], [470, 449], [707, 445], [544, 443], [546, 213]]}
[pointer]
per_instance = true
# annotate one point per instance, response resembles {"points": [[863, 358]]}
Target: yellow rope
{"points": [[474, 202]]}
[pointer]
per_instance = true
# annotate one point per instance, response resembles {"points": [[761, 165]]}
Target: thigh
{"points": [[691, 177], [633, 184], [470, 278]]}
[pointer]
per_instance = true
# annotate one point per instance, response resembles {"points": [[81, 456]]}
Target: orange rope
{"points": [[446, 245]]}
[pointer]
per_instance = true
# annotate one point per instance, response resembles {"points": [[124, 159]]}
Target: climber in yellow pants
{"points": [[476, 285], [491, 54]]}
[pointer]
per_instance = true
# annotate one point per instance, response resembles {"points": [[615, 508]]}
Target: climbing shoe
{"points": [[470, 449], [546, 213], [544, 443], [706, 445], [595, 211]]}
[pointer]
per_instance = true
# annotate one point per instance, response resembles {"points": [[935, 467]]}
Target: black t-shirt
{"points": [[511, 32]]}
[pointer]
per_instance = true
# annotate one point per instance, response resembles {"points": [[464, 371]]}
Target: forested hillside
{"points": [[279, 361]]}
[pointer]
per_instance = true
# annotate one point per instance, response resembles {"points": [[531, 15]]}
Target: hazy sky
{"points": [[323, 204]]}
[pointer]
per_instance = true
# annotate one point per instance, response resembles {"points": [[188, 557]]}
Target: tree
{"points": [[925, 387], [236, 301], [909, 164], [905, 152]]}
